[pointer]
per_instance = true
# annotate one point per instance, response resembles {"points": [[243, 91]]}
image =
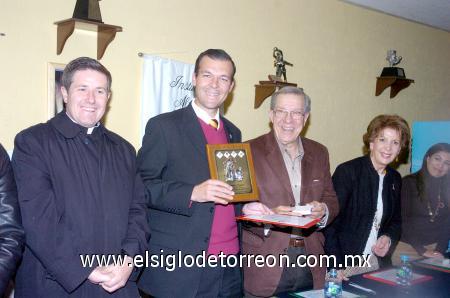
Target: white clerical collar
{"points": [[89, 129], [203, 115]]}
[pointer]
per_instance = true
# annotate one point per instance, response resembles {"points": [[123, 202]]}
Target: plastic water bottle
{"points": [[333, 286], [404, 273], [446, 261], [447, 252]]}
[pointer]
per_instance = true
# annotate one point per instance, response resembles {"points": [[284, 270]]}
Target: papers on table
{"points": [[320, 294], [390, 277], [301, 222], [434, 263]]}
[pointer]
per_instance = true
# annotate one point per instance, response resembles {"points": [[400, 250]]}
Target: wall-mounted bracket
{"points": [[266, 88], [393, 77], [105, 33]]}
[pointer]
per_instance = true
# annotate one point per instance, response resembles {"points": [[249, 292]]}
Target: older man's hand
{"points": [[256, 208], [283, 210], [318, 209]]}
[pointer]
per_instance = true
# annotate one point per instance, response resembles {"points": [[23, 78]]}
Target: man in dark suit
{"points": [[189, 212], [290, 170], [79, 194]]}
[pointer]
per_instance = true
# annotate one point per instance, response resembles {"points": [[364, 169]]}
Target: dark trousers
{"points": [[217, 282], [295, 278], [292, 279], [220, 282]]}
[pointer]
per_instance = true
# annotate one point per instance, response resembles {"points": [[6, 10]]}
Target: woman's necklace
{"points": [[439, 205]]}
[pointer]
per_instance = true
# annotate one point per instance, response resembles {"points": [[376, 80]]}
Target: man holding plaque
{"points": [[189, 212], [290, 171]]}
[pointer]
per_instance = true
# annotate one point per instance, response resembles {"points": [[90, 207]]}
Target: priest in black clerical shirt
{"points": [[79, 195]]}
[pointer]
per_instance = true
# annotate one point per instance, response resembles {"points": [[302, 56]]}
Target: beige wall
{"points": [[337, 49]]}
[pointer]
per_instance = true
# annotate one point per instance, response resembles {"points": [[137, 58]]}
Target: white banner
{"points": [[166, 86]]}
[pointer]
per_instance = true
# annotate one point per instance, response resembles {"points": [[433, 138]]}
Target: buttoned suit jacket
{"points": [[65, 216], [172, 161], [274, 190]]}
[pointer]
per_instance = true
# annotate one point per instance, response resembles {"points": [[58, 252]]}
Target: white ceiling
{"points": [[435, 13]]}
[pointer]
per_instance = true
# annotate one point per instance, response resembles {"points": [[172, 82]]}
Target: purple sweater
{"points": [[224, 235]]}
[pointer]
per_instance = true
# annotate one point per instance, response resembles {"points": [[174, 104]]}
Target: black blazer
{"points": [[11, 230], [172, 161], [356, 185]]}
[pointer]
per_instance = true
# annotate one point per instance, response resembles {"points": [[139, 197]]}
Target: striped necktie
{"points": [[214, 123]]}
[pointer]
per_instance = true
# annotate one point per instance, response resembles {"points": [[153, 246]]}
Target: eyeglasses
{"points": [[282, 114]]}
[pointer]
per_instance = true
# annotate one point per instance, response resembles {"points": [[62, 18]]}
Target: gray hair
{"points": [[291, 90]]}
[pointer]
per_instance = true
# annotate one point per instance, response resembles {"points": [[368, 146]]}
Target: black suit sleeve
{"points": [[392, 228], [342, 182], [37, 202], [161, 193], [329, 194], [11, 231], [138, 231]]}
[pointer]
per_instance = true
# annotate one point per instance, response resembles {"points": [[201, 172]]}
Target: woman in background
{"points": [[368, 190], [425, 207]]}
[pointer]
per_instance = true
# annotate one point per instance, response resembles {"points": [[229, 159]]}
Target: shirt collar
{"points": [[301, 151], [89, 129], [69, 129], [203, 115], [66, 126]]}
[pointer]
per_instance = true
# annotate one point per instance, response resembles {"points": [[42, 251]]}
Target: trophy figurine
{"points": [[280, 65], [393, 60], [266, 88]]}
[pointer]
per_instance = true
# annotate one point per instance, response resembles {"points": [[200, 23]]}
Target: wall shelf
{"points": [[266, 88], [105, 33], [397, 84], [393, 77]]}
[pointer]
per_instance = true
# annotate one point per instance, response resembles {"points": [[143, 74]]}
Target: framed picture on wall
{"points": [[54, 96]]}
